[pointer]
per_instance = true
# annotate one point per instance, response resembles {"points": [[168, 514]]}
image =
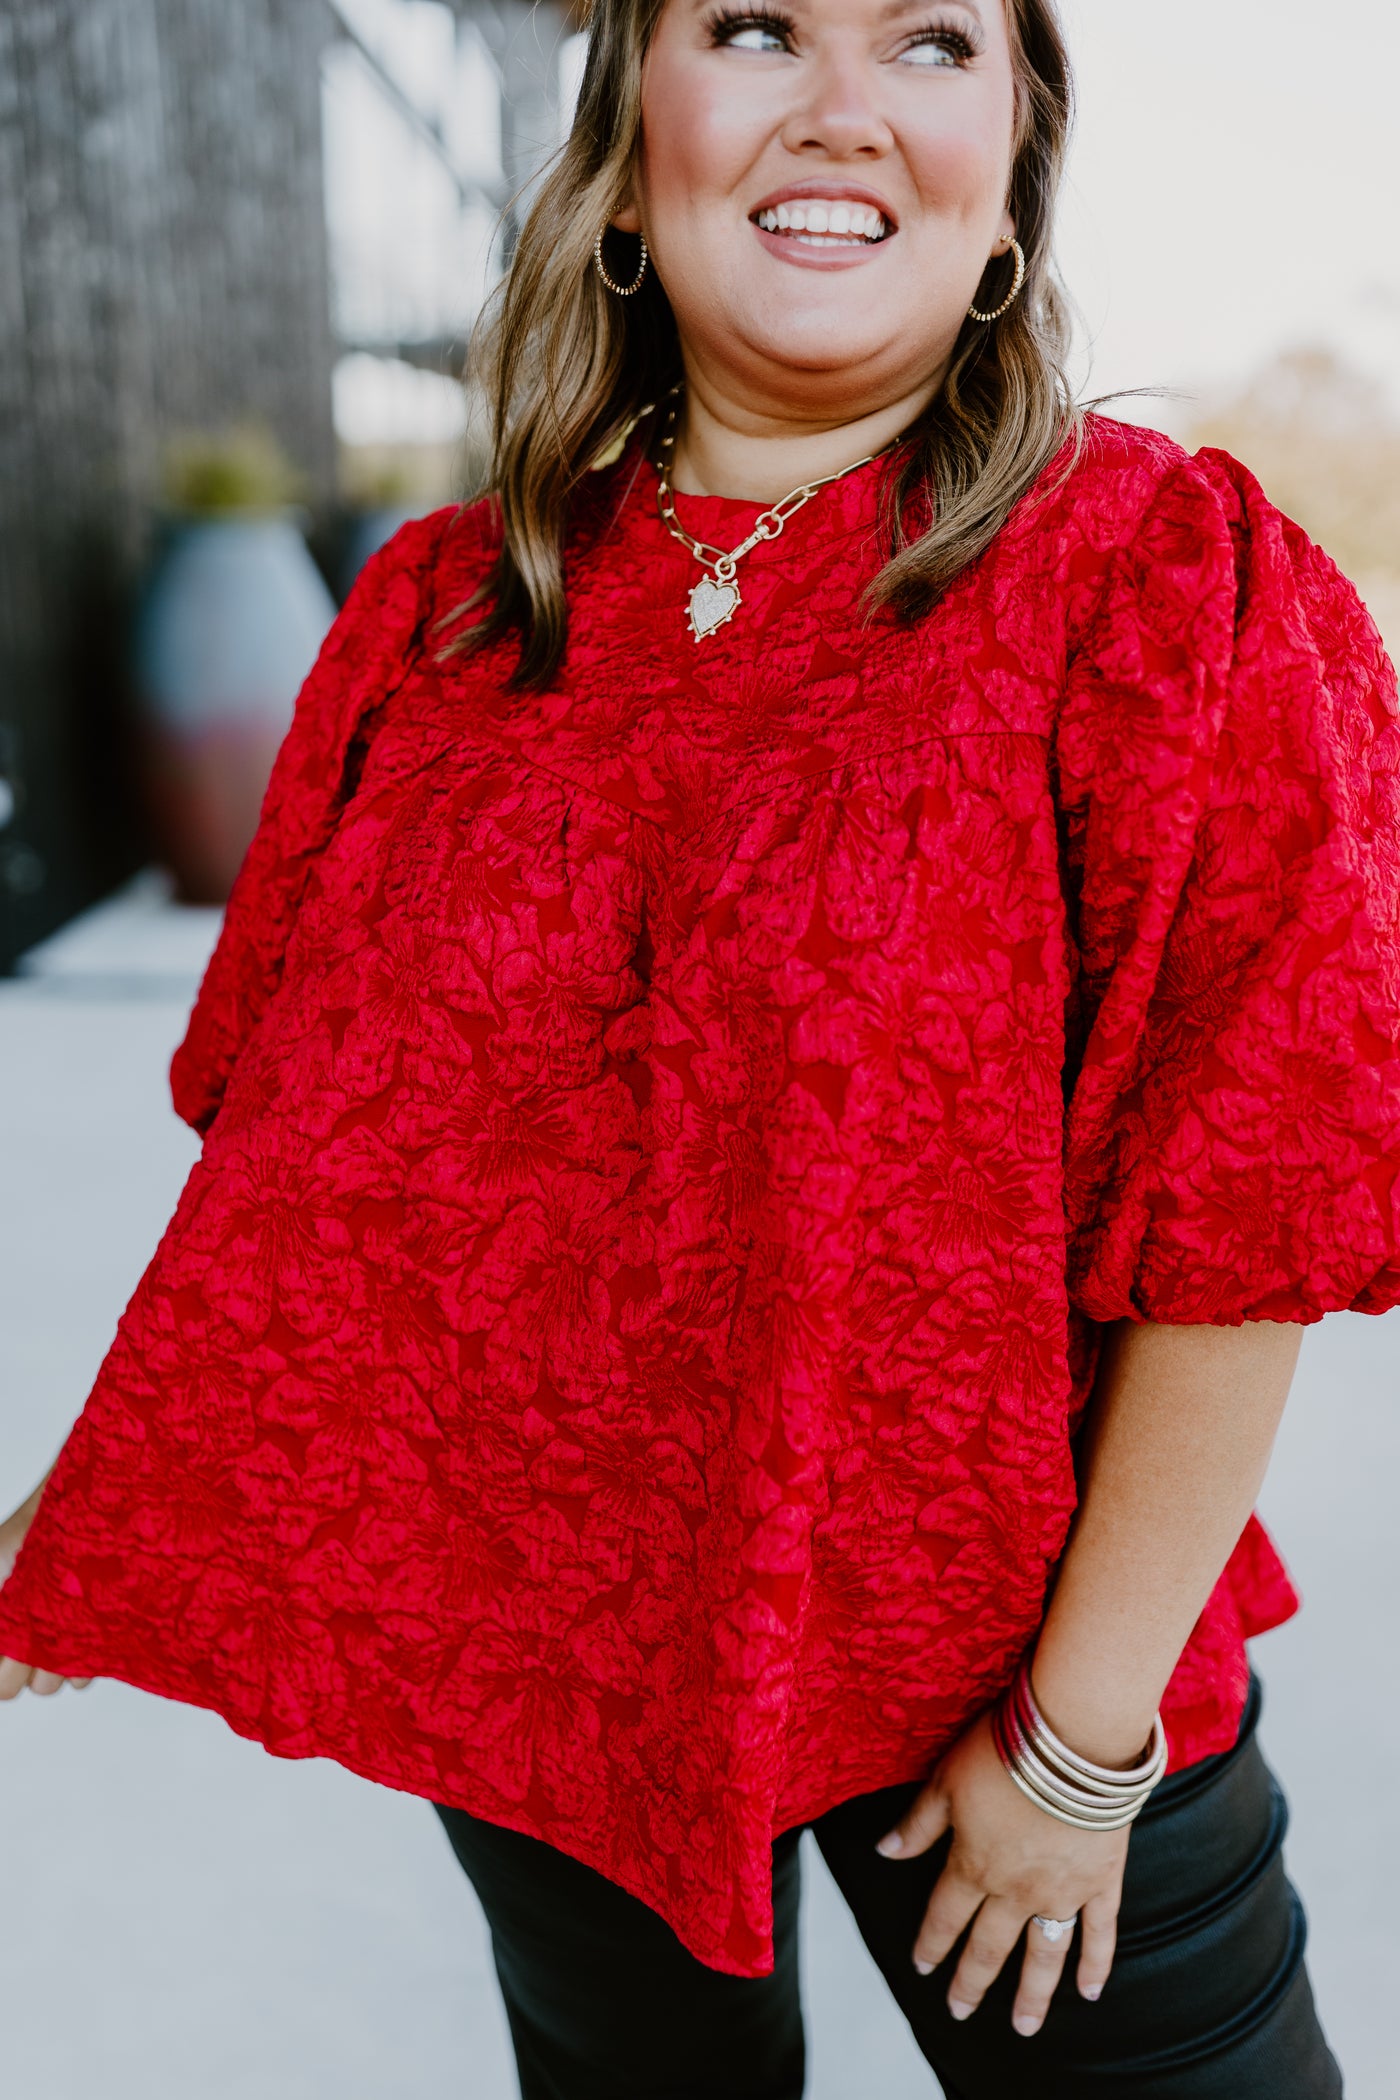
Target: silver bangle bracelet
{"points": [[1064, 1815], [1084, 1811], [1146, 1772], [1095, 1806], [1091, 1811], [1057, 1779]]}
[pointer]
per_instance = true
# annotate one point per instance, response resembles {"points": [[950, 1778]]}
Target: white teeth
{"points": [[825, 223]]}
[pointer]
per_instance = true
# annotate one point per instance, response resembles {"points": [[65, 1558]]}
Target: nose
{"points": [[838, 113]]}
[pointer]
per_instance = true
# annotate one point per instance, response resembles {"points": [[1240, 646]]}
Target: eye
{"points": [[756, 37], [751, 32], [939, 47]]}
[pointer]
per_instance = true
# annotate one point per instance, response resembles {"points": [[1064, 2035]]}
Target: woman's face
{"points": [[821, 184]]}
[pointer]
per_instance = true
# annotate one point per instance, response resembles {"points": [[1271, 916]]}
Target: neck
{"points": [[756, 454]]}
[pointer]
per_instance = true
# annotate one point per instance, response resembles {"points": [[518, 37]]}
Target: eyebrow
{"points": [[893, 9], [904, 7]]}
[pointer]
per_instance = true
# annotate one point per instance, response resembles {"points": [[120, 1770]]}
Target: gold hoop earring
{"points": [[1012, 296], [623, 291]]}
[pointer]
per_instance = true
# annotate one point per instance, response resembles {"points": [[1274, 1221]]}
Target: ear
{"points": [[1008, 231], [627, 219]]}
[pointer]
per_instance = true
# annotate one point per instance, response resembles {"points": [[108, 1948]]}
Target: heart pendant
{"points": [[711, 604]]}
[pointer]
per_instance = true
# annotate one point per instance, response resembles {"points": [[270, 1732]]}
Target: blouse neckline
{"points": [[834, 513]]}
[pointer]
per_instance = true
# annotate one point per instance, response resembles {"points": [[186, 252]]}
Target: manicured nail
{"points": [[891, 1846], [925, 1968], [1091, 1991], [960, 2011], [1025, 2023]]}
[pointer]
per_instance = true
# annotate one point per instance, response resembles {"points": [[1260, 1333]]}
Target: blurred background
{"points": [[242, 245]]}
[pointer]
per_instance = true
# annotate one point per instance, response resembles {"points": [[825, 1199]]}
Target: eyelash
{"points": [[725, 21], [955, 40]]}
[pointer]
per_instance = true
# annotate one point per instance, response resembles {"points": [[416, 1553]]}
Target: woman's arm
{"points": [[14, 1676], [1178, 1438], [1177, 1444]]}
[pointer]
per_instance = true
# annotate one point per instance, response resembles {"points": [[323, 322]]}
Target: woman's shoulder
{"points": [[1135, 489], [441, 556], [1145, 529], [1124, 474], [1199, 524], [1191, 591]]}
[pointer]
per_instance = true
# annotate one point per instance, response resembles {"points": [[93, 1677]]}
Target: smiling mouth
{"points": [[819, 223]]}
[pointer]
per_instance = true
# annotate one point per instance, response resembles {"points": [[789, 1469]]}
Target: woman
{"points": [[815, 1005]]}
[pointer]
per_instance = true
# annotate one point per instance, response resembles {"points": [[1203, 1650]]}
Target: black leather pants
{"points": [[1208, 2000]]}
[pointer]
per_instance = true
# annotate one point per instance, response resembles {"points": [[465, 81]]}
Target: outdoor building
{"points": [[203, 210]]}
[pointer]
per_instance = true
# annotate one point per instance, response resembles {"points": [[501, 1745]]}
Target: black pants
{"points": [[1208, 2000]]}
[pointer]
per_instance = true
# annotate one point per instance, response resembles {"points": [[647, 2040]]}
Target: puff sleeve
{"points": [[1228, 775], [362, 659]]}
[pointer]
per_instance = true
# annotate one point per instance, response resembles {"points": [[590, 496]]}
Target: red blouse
{"points": [[670, 1141]]}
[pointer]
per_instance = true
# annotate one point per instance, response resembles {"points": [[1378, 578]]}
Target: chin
{"points": [[826, 342]]}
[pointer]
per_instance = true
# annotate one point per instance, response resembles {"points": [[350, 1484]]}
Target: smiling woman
{"points": [[815, 1004], [947, 129]]}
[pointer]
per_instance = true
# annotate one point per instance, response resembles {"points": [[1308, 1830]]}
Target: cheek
{"points": [[697, 138], [962, 167]]}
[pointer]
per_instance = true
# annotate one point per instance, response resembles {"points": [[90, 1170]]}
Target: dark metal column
{"points": [[162, 268]]}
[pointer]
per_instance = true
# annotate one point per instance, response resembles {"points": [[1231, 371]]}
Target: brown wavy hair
{"points": [[568, 368]]}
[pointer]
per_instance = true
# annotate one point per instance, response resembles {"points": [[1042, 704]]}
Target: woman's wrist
{"points": [[1057, 1778], [1103, 1712]]}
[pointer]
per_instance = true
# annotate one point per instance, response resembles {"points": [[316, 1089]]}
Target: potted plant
{"points": [[229, 625]]}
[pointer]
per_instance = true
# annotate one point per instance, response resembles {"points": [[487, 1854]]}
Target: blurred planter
{"points": [[230, 624]]}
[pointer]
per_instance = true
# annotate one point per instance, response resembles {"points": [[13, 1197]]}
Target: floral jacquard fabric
{"points": [[672, 1143]]}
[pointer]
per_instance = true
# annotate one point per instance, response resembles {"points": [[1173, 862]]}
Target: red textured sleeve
{"points": [[362, 659], [1228, 769]]}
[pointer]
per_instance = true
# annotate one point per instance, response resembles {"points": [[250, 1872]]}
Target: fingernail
{"points": [[1025, 2023], [925, 1968], [891, 1846], [959, 2011], [1091, 1991]]}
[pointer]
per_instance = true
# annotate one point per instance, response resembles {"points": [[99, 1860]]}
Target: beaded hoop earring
{"points": [[1010, 300], [623, 291]]}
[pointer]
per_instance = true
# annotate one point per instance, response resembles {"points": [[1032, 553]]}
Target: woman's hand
{"points": [[14, 1676], [1009, 1861]]}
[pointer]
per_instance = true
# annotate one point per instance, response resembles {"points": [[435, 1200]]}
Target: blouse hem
{"points": [[484, 1803]]}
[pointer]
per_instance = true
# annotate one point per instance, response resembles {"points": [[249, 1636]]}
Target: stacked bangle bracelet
{"points": [[1056, 1778]]}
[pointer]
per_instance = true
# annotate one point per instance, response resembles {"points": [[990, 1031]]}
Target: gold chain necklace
{"points": [[716, 598]]}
